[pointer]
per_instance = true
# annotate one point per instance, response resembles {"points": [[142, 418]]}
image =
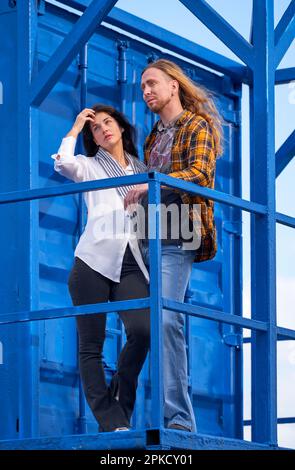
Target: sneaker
{"points": [[179, 427]]}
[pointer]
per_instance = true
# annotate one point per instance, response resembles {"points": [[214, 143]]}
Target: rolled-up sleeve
{"points": [[67, 164]]}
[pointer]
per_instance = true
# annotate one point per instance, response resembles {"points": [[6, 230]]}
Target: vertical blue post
{"points": [[9, 269], [122, 85], [237, 272], [263, 228], [122, 75], [232, 280], [156, 302], [189, 349], [83, 66], [27, 220]]}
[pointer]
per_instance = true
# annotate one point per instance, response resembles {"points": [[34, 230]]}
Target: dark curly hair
{"points": [[128, 135]]}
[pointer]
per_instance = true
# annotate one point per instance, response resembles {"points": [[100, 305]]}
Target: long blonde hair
{"points": [[193, 98]]}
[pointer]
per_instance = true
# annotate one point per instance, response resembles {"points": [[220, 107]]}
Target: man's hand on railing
{"points": [[134, 195]]}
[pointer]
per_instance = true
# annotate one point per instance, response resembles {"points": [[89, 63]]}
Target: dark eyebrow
{"points": [[104, 120], [150, 80]]}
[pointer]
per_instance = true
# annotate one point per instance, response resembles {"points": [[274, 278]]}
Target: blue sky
{"points": [[173, 16]]}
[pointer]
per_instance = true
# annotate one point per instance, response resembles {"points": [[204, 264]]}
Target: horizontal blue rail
{"points": [[285, 220], [76, 188], [73, 188], [215, 315], [283, 334], [208, 193], [123, 305], [63, 312], [291, 420]]}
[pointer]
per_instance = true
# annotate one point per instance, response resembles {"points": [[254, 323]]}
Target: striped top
{"points": [[114, 169]]}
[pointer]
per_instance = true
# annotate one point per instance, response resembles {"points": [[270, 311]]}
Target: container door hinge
{"points": [[234, 228], [234, 340]]}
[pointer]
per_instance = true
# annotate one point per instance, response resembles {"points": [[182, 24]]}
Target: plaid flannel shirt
{"points": [[193, 159]]}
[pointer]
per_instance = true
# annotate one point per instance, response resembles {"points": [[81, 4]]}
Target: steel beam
{"points": [[284, 33], [285, 154], [173, 42], [232, 281], [82, 216], [69, 49], [285, 220], [49, 314], [215, 315], [192, 188], [222, 29], [188, 309], [178, 44], [154, 226], [27, 221], [289, 420], [76, 188], [285, 333], [263, 229], [285, 75], [71, 188]]}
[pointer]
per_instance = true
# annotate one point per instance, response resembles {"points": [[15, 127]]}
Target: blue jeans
{"points": [[176, 270]]}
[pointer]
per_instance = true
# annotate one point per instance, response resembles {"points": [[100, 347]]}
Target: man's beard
{"points": [[157, 108]]}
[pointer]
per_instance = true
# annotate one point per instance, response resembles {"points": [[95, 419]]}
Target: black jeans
{"points": [[87, 286]]}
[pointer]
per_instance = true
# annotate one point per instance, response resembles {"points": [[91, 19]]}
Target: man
{"points": [[184, 144]]}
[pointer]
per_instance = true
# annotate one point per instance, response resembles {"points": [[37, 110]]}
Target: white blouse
{"points": [[103, 243]]}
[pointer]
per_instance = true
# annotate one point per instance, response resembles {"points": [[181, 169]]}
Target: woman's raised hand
{"points": [[86, 115]]}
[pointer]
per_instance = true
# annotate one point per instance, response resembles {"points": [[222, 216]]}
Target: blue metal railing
{"points": [[155, 302]]}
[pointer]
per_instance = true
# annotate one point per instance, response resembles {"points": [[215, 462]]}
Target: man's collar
{"points": [[179, 121], [161, 126], [183, 118]]}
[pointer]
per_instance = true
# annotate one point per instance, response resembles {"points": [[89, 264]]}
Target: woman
{"points": [[108, 263]]}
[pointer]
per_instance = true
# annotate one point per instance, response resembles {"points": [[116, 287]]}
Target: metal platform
{"points": [[153, 439]]}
